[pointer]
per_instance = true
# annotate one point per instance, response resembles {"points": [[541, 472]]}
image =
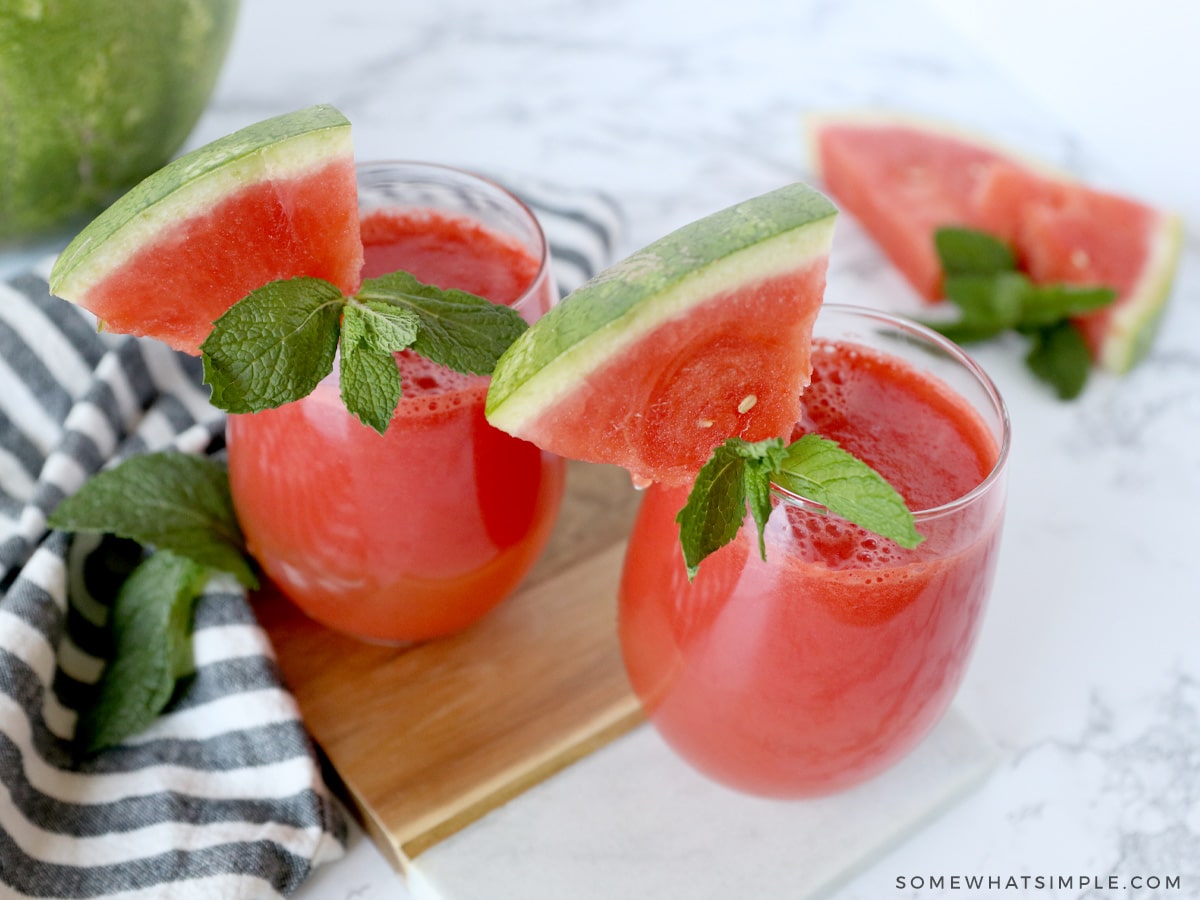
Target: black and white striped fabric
{"points": [[223, 795]]}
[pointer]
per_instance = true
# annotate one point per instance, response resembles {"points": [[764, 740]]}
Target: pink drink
{"points": [[418, 532], [827, 663]]}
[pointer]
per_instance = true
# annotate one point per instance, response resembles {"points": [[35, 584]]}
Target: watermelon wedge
{"points": [[903, 178], [1065, 232], [277, 199], [698, 337]]}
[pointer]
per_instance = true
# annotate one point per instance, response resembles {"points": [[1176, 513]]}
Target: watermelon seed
{"points": [[705, 423], [747, 403], [1080, 258]]}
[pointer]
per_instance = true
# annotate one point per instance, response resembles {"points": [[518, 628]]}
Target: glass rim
{"points": [[543, 245], [957, 354]]}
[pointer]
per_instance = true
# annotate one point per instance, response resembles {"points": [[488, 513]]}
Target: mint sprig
{"points": [[170, 500], [739, 474], [151, 623], [178, 508], [993, 297], [369, 380], [273, 345], [277, 343], [456, 329]]}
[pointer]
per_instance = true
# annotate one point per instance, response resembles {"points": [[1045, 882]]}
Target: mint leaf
{"points": [[965, 251], [457, 329], [998, 299], [818, 469], [370, 380], [1052, 303], [151, 621], [1060, 357], [740, 473], [989, 305], [384, 327], [993, 298], [736, 472], [173, 501], [274, 345]]}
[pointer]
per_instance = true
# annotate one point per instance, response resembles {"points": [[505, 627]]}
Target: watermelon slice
{"points": [[904, 178], [277, 199], [1065, 232], [698, 337]]}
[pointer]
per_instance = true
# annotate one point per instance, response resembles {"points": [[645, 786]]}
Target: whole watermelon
{"points": [[95, 95]]}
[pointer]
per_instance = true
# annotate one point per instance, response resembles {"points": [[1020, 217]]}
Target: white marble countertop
{"points": [[1087, 676]]}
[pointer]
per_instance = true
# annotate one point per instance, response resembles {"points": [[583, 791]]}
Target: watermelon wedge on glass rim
{"points": [[700, 336], [904, 177], [277, 199]]}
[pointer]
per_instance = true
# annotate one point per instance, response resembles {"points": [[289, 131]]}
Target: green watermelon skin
{"points": [[701, 336], [95, 95]]}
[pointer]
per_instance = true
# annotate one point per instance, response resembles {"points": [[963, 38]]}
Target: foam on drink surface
{"points": [[921, 436], [430, 388]]}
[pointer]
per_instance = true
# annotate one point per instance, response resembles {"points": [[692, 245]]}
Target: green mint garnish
{"points": [[151, 626], [370, 381], [458, 330], [273, 345], [739, 475], [276, 344], [993, 297], [179, 509], [1059, 356], [964, 251], [170, 500]]}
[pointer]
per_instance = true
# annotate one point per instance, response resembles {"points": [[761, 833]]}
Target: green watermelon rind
{"points": [[280, 147], [778, 232], [1134, 323], [94, 95]]}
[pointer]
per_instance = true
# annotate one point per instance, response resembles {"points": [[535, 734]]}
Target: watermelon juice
{"points": [[824, 665], [418, 532]]}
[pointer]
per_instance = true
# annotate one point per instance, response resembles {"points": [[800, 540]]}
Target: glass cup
{"points": [[419, 532], [827, 663]]}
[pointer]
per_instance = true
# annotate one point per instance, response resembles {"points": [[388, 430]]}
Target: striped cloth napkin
{"points": [[223, 795]]}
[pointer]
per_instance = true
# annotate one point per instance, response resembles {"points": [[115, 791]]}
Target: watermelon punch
{"points": [[823, 665], [419, 531], [375, 495], [817, 655]]}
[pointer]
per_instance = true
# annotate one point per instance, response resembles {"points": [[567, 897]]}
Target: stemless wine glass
{"points": [[825, 664], [418, 532]]}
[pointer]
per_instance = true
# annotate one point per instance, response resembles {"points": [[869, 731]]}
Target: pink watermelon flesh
{"points": [[713, 373], [902, 182], [175, 288], [1069, 233]]}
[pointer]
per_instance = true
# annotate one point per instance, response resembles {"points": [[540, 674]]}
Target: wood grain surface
{"points": [[426, 739]]}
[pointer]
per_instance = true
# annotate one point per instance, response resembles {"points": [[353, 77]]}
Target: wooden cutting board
{"points": [[426, 739]]}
